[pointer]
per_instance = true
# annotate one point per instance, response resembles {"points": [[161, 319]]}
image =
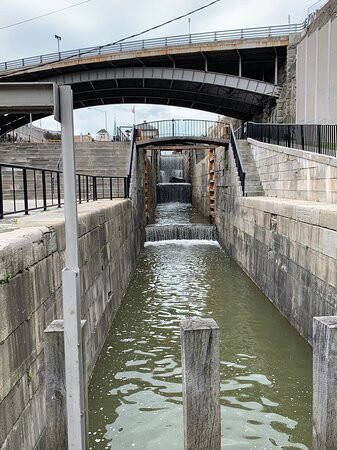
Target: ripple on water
{"points": [[135, 393]]}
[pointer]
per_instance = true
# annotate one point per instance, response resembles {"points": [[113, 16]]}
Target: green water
{"points": [[135, 397]]}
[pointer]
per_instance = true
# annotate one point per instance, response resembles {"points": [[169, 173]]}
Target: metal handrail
{"points": [[29, 187], [238, 160], [315, 138], [130, 162], [181, 128], [184, 39]]}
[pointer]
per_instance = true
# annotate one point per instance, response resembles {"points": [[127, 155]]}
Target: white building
{"points": [[103, 135]]}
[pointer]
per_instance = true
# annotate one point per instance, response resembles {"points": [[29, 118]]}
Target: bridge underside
{"points": [[228, 95]]}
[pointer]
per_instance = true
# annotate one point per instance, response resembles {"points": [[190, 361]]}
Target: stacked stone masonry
{"points": [[295, 174], [287, 246], [200, 184], [32, 257]]}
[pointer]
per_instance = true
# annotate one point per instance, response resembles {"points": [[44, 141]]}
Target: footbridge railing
{"points": [[169, 41], [182, 128], [320, 139], [25, 188]]}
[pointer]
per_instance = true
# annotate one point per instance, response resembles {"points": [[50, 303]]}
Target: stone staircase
{"points": [[253, 186], [100, 158], [94, 158]]}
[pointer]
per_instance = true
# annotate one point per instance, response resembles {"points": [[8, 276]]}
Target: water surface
{"points": [[135, 394]]}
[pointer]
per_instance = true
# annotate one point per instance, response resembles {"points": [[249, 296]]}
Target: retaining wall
{"points": [[288, 247], [295, 174], [31, 260], [200, 185]]}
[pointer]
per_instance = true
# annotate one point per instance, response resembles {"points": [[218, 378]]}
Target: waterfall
{"points": [[171, 166], [174, 192], [174, 232]]}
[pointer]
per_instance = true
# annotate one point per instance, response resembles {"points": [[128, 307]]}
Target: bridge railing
{"points": [[169, 41], [181, 128], [320, 139], [26, 188]]}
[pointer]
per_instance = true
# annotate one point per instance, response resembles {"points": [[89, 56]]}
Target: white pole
{"points": [[70, 283]]}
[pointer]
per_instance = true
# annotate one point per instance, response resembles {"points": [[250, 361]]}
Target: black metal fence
{"points": [[320, 139], [181, 128], [238, 161], [24, 189]]}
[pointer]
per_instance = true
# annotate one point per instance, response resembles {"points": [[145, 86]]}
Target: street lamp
{"points": [[104, 112], [58, 38]]}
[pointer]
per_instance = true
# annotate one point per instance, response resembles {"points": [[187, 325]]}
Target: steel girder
{"points": [[210, 91]]}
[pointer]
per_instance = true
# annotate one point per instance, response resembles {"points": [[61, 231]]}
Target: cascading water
{"points": [[177, 231], [176, 219], [171, 166], [174, 192]]}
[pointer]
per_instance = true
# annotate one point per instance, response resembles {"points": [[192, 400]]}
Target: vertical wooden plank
{"points": [[324, 382], [201, 384]]}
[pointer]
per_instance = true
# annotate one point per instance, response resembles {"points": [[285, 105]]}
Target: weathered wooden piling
{"points": [[324, 383], [201, 384], [56, 407]]}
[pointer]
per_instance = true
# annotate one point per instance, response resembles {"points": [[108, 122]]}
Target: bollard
{"points": [[324, 383], [201, 384], [56, 408]]}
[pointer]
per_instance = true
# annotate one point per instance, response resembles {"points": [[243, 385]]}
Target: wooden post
{"points": [[56, 408], [324, 382], [201, 384]]}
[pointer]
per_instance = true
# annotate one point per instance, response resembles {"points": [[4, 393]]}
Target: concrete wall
{"points": [[32, 256], [287, 247], [200, 185], [316, 74], [295, 174]]}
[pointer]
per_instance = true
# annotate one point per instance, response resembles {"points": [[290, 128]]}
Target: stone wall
{"points": [[105, 158], [295, 174], [287, 247], [32, 257], [200, 185]]}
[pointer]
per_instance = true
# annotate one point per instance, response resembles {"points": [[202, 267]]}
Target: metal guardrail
{"points": [[169, 41], [238, 161], [181, 128], [130, 162], [320, 139], [25, 188]]}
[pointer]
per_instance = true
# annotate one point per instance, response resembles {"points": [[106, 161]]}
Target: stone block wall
{"points": [[287, 247], [31, 259], [295, 174], [200, 185]]}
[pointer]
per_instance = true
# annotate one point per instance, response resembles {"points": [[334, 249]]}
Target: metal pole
{"points": [[71, 285]]}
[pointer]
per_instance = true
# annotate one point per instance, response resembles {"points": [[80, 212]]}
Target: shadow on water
{"points": [[135, 398]]}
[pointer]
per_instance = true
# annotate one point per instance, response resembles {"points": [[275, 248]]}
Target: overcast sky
{"points": [[103, 21]]}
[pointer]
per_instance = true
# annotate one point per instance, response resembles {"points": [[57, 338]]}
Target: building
{"points": [[103, 135]]}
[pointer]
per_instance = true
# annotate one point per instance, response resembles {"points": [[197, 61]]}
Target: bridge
{"points": [[234, 73]]}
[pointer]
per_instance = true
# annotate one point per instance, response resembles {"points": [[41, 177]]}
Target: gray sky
{"points": [[103, 21]]}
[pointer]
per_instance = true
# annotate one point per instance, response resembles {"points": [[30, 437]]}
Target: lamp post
{"points": [[58, 38], [106, 117]]}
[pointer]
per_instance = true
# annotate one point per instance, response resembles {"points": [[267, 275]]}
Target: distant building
{"points": [[103, 135], [146, 131], [83, 138], [31, 133]]}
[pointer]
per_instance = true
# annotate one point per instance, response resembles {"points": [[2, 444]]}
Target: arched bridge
{"points": [[163, 133], [234, 73]]}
